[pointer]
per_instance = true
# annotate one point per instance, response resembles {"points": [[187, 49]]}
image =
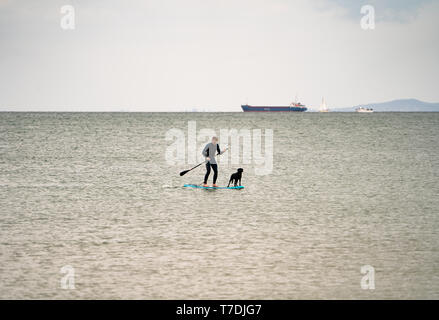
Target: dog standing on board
{"points": [[236, 177]]}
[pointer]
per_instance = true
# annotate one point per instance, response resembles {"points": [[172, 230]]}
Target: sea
{"points": [[92, 206]]}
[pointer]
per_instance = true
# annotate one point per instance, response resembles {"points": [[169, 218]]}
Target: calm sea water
{"points": [[93, 191]]}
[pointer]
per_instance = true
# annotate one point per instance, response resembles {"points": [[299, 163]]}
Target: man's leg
{"points": [[207, 172], [215, 172]]}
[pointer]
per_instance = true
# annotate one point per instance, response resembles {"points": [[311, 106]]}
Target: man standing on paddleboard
{"points": [[209, 151]]}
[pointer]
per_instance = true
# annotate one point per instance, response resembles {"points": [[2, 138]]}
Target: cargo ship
{"points": [[293, 107]]}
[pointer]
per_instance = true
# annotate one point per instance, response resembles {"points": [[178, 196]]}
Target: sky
{"points": [[214, 55]]}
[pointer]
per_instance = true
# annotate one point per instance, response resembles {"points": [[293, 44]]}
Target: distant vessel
{"points": [[293, 107], [323, 106], [361, 109]]}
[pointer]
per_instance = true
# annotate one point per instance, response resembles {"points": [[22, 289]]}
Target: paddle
{"points": [[186, 171]]}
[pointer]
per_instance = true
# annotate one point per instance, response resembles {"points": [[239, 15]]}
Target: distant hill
{"points": [[402, 105]]}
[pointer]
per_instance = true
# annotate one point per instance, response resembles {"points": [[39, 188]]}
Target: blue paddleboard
{"points": [[201, 187]]}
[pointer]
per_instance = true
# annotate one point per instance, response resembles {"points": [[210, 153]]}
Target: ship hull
{"points": [[247, 108], [364, 110]]}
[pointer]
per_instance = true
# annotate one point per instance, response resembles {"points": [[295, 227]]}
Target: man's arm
{"points": [[219, 150], [205, 151]]}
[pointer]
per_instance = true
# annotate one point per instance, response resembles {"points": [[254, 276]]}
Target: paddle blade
{"points": [[184, 172]]}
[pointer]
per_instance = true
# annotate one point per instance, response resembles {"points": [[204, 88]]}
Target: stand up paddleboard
{"points": [[201, 187]]}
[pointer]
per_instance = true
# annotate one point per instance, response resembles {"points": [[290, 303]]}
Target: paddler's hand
{"points": [[208, 159]]}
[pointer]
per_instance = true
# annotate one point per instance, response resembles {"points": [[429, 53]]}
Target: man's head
{"points": [[214, 140]]}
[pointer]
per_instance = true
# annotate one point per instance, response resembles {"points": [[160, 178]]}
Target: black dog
{"points": [[236, 177]]}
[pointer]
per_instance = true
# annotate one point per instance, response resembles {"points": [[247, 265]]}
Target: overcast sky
{"points": [[173, 55]]}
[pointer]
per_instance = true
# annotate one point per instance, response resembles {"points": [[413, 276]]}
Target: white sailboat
{"points": [[323, 106]]}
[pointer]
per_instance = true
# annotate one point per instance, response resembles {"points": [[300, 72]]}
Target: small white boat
{"points": [[361, 109], [323, 106]]}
